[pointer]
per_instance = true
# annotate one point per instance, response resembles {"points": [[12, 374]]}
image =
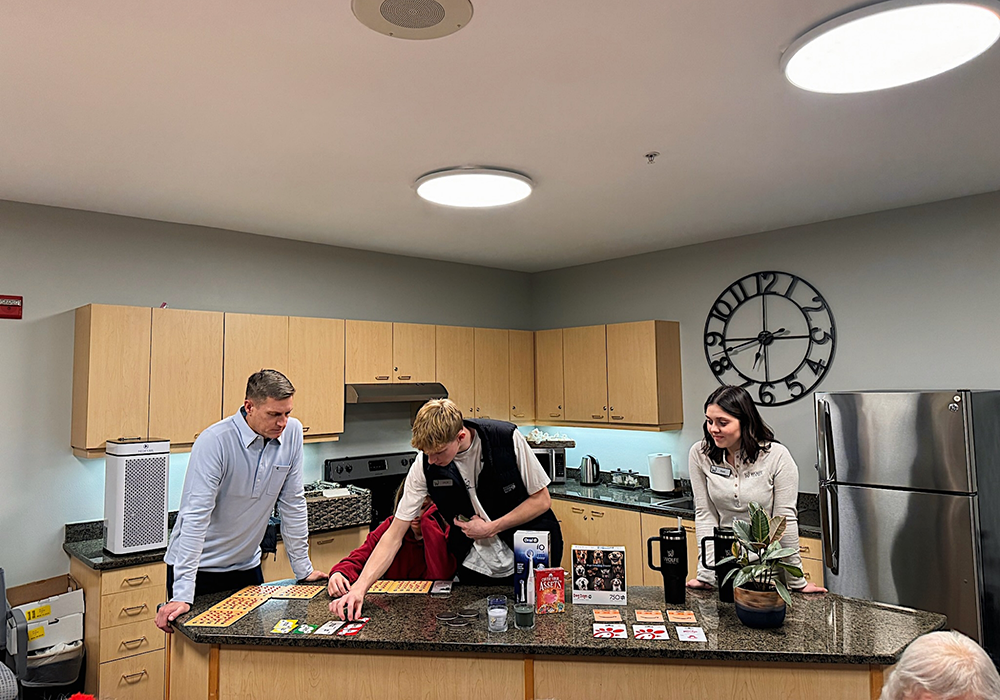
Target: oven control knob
{"points": [[404, 461], [340, 469], [349, 468]]}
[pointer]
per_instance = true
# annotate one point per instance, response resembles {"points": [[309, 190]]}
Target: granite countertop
{"points": [[822, 628], [645, 501]]}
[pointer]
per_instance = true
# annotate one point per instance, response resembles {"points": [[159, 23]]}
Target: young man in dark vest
{"points": [[484, 478]]}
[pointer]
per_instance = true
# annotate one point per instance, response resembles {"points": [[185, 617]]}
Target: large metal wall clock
{"points": [[771, 333]]}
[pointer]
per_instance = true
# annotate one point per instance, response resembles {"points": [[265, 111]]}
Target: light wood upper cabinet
{"points": [[644, 373], [492, 374], [316, 368], [185, 373], [368, 352], [252, 343], [110, 376], [585, 374], [456, 365], [549, 374], [413, 355], [522, 376]]}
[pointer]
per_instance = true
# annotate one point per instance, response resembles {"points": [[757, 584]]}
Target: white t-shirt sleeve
{"points": [[414, 492], [532, 474]]}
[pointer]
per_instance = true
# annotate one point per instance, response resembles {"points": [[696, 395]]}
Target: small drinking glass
{"points": [[496, 613], [524, 616]]}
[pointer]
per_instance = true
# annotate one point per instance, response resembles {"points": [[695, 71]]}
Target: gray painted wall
{"points": [[59, 259], [915, 294]]}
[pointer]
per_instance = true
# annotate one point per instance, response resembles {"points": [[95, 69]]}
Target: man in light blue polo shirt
{"points": [[239, 468]]}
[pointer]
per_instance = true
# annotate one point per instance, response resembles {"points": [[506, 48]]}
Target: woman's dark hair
{"points": [[755, 436]]}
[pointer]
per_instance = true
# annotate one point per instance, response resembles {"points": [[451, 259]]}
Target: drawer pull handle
{"points": [[133, 678], [806, 575], [519, 415], [136, 608], [597, 513], [305, 428], [804, 548], [597, 415], [405, 377], [617, 417], [576, 510], [554, 415], [133, 643], [382, 377], [689, 528], [196, 435], [332, 539], [136, 580], [130, 437]]}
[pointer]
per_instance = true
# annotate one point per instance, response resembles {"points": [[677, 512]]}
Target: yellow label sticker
{"points": [[39, 612], [36, 633]]}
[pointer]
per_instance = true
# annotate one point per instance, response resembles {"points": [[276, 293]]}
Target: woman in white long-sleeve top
{"points": [[738, 462]]}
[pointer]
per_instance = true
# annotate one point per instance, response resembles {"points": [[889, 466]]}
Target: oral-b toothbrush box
{"points": [[531, 551]]}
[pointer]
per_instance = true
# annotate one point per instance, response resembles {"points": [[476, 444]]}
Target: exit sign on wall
{"points": [[10, 307]]}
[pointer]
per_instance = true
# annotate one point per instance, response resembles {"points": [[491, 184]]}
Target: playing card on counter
{"points": [[648, 616], [680, 616], [607, 615], [691, 634], [604, 630], [330, 627], [650, 632], [216, 618], [441, 588], [351, 629], [284, 626], [304, 628], [297, 591]]}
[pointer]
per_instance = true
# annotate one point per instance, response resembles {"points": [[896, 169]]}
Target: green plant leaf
{"points": [[778, 525], [725, 560], [778, 553], [742, 576], [793, 570], [759, 526], [729, 575], [783, 592], [742, 530]]}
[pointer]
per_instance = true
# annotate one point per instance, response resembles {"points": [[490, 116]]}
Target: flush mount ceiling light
{"points": [[890, 44], [473, 187]]}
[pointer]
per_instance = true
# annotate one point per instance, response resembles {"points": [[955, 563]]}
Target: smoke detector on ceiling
{"points": [[413, 19]]}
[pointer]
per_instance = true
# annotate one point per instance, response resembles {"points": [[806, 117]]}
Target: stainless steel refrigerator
{"points": [[910, 502]]}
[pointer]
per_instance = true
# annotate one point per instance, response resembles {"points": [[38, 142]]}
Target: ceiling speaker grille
{"points": [[412, 14]]}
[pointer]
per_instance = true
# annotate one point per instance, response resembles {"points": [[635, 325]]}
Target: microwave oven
{"points": [[553, 461]]}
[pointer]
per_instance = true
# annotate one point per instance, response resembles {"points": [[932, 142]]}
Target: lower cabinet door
{"points": [[326, 549], [275, 567], [812, 569], [134, 678]]}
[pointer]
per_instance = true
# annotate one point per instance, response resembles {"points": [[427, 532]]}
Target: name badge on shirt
{"points": [[509, 487], [722, 471], [443, 482]]}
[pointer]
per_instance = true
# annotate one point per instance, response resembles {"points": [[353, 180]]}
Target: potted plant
{"points": [[758, 591]]}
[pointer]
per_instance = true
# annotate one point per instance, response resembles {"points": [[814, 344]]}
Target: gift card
{"points": [[609, 631], [330, 627], [691, 634], [680, 616], [352, 629], [607, 615], [641, 631], [305, 628], [648, 616], [284, 626]]}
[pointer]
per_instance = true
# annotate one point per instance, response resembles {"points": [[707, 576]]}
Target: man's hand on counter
{"points": [[168, 612], [475, 528], [339, 585], [348, 606], [316, 576]]}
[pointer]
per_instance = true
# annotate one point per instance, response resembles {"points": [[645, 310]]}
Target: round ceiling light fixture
{"points": [[473, 187], [891, 43]]}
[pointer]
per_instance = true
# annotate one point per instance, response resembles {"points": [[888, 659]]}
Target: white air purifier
{"points": [[135, 495]]}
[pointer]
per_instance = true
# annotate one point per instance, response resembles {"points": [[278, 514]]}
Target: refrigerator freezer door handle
{"points": [[829, 521], [825, 464]]}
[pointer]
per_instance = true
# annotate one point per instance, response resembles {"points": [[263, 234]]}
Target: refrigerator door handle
{"points": [[830, 523], [825, 464]]}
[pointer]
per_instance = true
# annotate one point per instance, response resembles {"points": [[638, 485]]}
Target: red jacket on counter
{"points": [[426, 559]]}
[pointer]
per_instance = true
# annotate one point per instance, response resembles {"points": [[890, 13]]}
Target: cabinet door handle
{"points": [[332, 539], [605, 408], [554, 415], [597, 415], [133, 643], [381, 377], [518, 415], [597, 513], [196, 435], [405, 377], [804, 548], [136, 580], [130, 437], [576, 510], [305, 428], [133, 678], [617, 417], [134, 610], [806, 575]]}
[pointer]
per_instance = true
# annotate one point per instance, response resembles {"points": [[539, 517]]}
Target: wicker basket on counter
{"points": [[338, 511]]}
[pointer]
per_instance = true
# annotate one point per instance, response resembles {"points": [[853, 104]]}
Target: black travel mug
{"points": [[673, 562], [722, 542]]}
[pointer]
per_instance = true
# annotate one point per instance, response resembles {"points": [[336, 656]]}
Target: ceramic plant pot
{"points": [[759, 609]]}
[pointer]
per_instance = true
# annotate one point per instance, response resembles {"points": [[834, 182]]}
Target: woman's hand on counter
{"points": [[168, 612], [348, 607], [810, 588], [695, 583], [339, 585]]}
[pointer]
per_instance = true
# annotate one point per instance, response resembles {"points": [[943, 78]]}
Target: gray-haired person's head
{"points": [[268, 384], [943, 666]]}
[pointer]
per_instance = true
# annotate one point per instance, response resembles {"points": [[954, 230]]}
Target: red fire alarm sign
{"points": [[10, 307]]}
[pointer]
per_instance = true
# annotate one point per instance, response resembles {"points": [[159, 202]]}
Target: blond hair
{"points": [[438, 422]]}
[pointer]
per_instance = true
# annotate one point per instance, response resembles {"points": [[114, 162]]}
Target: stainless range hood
{"points": [[392, 393]]}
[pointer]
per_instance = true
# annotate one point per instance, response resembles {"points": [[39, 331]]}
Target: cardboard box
{"points": [[599, 575], [550, 590], [53, 607], [45, 634], [37, 590], [531, 551]]}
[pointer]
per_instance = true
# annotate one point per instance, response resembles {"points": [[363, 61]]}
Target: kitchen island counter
{"points": [[826, 638]]}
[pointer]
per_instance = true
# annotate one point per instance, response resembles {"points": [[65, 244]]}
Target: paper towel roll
{"points": [[661, 472]]}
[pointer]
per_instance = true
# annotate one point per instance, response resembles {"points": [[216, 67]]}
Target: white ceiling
{"points": [[292, 119]]}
